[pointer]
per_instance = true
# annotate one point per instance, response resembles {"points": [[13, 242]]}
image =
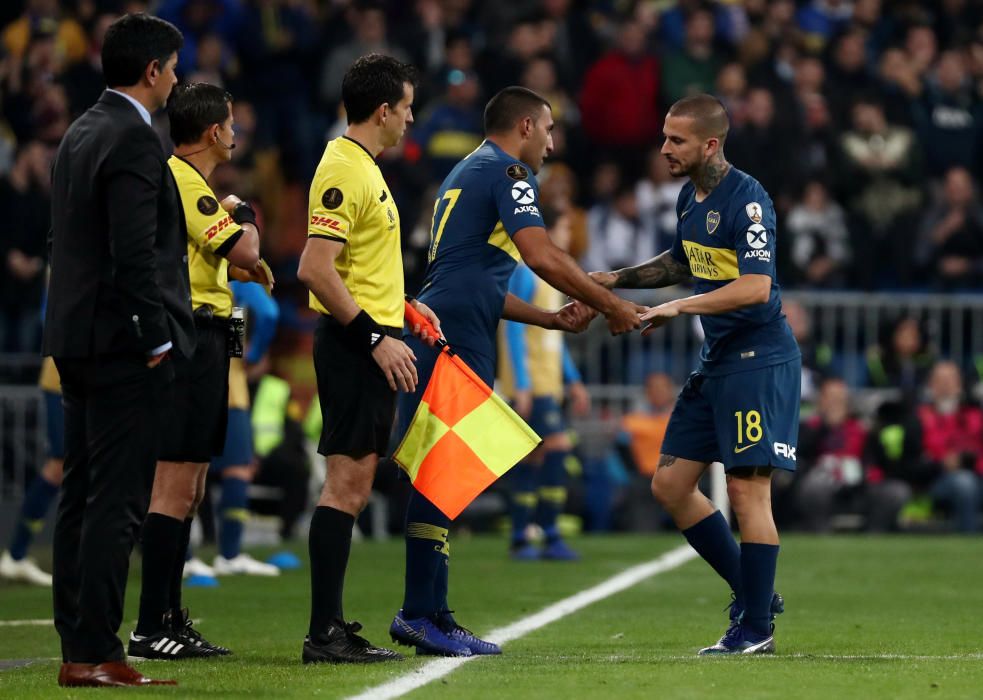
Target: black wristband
{"points": [[242, 213], [363, 333]]}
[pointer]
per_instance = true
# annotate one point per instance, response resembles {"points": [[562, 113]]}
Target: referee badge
{"points": [[517, 172], [713, 221], [332, 198], [207, 205]]}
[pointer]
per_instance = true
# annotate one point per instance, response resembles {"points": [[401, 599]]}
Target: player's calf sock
{"points": [[712, 540], [234, 509], [177, 572], [758, 563], [161, 549], [427, 552], [523, 479], [552, 493], [329, 544], [37, 500]]}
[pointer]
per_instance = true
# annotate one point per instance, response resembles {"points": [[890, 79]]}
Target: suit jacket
{"points": [[118, 255]]}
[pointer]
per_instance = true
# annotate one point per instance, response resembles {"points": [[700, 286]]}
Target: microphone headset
{"points": [[224, 144]]}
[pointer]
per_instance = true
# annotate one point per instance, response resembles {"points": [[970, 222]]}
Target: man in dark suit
{"points": [[119, 302]]}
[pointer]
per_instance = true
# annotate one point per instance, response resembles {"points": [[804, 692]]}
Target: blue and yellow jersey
{"points": [[350, 203], [533, 358], [483, 202], [729, 234], [50, 380], [211, 235]]}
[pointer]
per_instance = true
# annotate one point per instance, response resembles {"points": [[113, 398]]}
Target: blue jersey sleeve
{"points": [[522, 285], [754, 235], [263, 317], [571, 375], [517, 200]]}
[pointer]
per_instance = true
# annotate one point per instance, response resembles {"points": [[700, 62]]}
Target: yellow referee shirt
{"points": [[211, 235], [349, 202]]}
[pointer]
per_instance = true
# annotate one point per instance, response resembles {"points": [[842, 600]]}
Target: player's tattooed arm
{"points": [[661, 271], [666, 461]]}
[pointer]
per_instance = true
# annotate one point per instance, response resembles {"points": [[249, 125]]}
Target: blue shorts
{"points": [[426, 358], [745, 419], [55, 417], [546, 417], [238, 449]]}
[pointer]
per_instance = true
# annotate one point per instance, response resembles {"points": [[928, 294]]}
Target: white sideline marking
{"points": [[439, 668], [26, 623]]}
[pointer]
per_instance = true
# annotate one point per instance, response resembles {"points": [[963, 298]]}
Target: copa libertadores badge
{"points": [[207, 205], [332, 198], [517, 172]]}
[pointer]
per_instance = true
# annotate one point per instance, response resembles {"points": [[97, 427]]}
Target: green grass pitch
{"points": [[894, 617]]}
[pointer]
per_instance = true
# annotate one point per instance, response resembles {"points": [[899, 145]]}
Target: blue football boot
{"points": [[737, 640], [479, 647], [558, 550], [422, 633], [524, 551]]}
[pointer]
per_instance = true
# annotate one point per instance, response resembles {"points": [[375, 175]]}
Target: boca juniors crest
{"points": [[713, 221]]}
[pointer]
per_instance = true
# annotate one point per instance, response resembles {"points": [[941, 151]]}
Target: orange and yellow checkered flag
{"points": [[462, 437]]}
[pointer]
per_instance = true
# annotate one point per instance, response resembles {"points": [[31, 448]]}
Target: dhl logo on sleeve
{"points": [[217, 228], [328, 223], [711, 263]]}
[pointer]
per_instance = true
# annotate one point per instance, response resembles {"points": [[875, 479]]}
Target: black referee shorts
{"points": [[195, 418], [357, 404]]}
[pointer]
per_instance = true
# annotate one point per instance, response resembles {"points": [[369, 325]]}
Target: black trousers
{"points": [[112, 415]]}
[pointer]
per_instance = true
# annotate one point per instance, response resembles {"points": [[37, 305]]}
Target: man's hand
{"points": [[155, 360], [624, 318], [522, 403], [605, 279], [574, 317], [396, 360], [260, 273], [420, 331], [659, 316], [231, 202], [579, 399]]}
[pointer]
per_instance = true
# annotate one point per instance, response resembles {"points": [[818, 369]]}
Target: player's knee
{"points": [[666, 490]]}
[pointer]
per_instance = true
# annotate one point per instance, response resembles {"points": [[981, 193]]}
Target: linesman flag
{"points": [[462, 437]]}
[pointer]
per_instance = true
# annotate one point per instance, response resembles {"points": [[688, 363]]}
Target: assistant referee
{"points": [[352, 265]]}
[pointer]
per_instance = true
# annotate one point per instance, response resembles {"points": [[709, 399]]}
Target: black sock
{"points": [[329, 543], [161, 538], [177, 574]]}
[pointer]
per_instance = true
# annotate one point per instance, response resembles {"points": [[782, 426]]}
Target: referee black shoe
{"points": [[342, 645], [184, 627]]}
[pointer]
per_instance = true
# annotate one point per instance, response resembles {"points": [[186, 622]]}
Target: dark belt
{"points": [[206, 318], [334, 325]]}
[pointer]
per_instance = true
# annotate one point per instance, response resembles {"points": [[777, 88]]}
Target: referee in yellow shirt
{"points": [[221, 238], [353, 267]]}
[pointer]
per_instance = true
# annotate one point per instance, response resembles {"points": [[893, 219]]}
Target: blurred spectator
{"points": [[880, 179], [44, 17], [949, 117], [558, 191], [831, 472], [752, 147], [952, 439], [921, 48], [575, 40], [731, 89], [451, 127], [500, 67], [847, 78], [692, 68], [25, 199], [820, 20], [901, 359], [656, 195], [619, 101], [899, 85], [819, 238], [540, 77], [618, 237], [643, 431], [83, 81], [817, 358], [276, 44], [951, 241], [370, 36], [198, 19]]}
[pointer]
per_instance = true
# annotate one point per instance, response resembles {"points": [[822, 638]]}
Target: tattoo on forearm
{"points": [[666, 461], [661, 271]]}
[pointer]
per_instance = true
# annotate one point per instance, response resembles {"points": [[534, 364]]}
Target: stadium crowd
{"points": [[862, 119]]}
